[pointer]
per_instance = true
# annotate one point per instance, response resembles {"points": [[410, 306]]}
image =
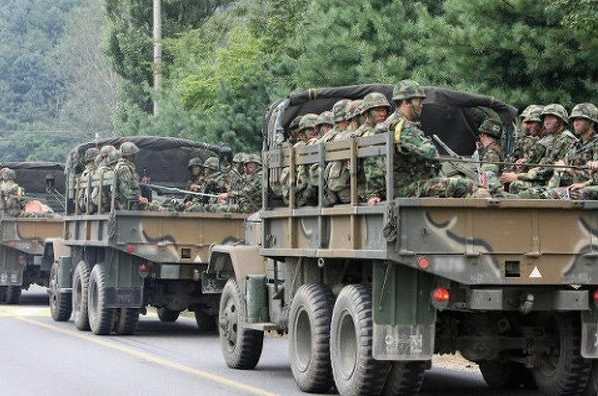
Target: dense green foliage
{"points": [[225, 61]]}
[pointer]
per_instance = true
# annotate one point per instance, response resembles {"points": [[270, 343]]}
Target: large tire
{"points": [[501, 374], [562, 370], [80, 295], [206, 323], [355, 370], [13, 295], [592, 388], [101, 318], [241, 347], [405, 378], [167, 315], [60, 303], [125, 322], [309, 338]]}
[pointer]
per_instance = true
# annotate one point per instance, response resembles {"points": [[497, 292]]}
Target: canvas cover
{"points": [[453, 115], [163, 160], [31, 176]]}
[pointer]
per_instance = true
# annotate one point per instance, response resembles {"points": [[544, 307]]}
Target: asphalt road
{"points": [[43, 357]]}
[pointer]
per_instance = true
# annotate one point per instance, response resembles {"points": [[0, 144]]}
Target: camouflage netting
{"points": [[162, 159], [454, 116]]}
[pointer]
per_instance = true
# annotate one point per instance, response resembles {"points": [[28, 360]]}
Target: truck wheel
{"points": [[167, 315], [405, 378], [355, 370], [241, 347], [126, 320], [309, 338], [205, 322], [80, 294], [592, 388], [60, 303], [101, 318], [13, 295], [560, 369], [500, 374]]}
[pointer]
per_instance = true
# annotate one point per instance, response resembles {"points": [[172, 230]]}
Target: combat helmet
{"points": [[556, 110], [128, 148], [407, 89], [308, 121], [339, 110], [196, 161], [211, 163], [9, 174], [106, 150], [239, 158], [491, 127], [90, 154], [294, 125], [354, 108], [373, 100], [325, 118], [113, 157], [585, 110], [253, 158], [532, 113]]}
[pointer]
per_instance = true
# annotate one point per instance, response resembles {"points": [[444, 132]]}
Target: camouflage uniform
{"points": [[490, 155], [249, 198], [212, 182], [107, 160], [12, 194], [128, 190], [561, 143], [415, 162], [306, 193], [527, 142], [83, 194]]}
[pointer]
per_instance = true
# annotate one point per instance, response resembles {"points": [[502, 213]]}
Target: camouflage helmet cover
{"points": [[90, 154], [196, 161], [239, 158], [491, 127], [308, 121], [373, 100], [211, 163], [339, 110], [585, 110], [106, 150], [253, 158], [114, 156], [407, 89], [556, 110], [532, 113], [8, 174], [354, 109], [325, 118], [128, 148], [294, 125]]}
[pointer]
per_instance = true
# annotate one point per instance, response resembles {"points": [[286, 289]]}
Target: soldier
{"points": [[557, 140], [237, 174], [212, 182], [375, 107], [575, 182], [249, 198], [128, 191], [531, 128], [325, 125], [102, 161], [83, 201], [415, 163], [306, 194], [13, 196], [490, 152], [293, 130]]}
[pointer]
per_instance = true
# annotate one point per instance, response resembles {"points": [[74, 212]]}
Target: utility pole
{"points": [[157, 51]]}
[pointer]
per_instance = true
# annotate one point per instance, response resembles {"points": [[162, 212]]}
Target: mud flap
{"points": [[589, 333], [65, 274], [404, 319], [11, 267]]}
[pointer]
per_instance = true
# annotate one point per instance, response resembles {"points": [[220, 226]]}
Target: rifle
{"points": [[472, 161], [173, 190], [457, 158]]}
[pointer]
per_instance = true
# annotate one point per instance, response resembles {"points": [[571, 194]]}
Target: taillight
{"points": [[440, 298]]}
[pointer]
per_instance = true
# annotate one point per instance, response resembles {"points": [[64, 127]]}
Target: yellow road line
{"points": [[24, 311], [153, 359]]}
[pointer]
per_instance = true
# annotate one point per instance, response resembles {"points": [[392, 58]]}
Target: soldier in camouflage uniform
{"points": [[83, 194], [325, 125], [13, 196], [306, 194], [103, 162], [575, 183], [211, 183], [237, 174], [415, 162], [558, 140], [128, 191], [490, 152], [531, 130], [293, 130], [375, 108], [249, 198]]}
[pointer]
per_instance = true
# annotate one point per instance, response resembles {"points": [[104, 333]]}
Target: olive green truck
{"points": [[368, 294], [111, 264]]}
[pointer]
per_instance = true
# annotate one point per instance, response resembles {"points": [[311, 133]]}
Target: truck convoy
{"points": [[368, 294], [26, 239], [111, 264]]}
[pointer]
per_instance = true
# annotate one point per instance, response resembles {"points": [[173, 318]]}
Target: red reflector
{"points": [[423, 262], [12, 244], [596, 295], [143, 268], [130, 248], [441, 294]]}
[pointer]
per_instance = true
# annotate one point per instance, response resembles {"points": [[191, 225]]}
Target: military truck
{"points": [[26, 239], [368, 294], [112, 264]]}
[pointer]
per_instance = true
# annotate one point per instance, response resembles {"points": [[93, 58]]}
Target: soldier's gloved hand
{"points": [[374, 201]]}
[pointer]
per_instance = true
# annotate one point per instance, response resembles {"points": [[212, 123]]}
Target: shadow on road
{"points": [[35, 296]]}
